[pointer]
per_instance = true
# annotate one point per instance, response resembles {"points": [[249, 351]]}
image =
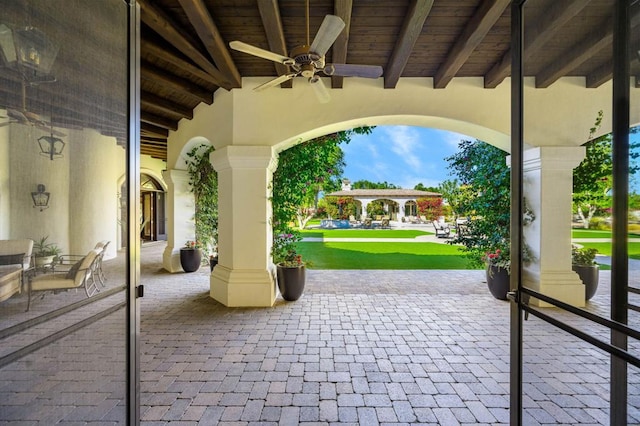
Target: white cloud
{"points": [[405, 141], [452, 139]]}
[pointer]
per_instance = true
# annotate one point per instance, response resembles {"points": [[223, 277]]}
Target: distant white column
{"points": [[245, 273], [548, 187], [180, 211]]}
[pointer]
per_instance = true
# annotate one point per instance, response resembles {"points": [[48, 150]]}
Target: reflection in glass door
{"points": [[571, 68], [65, 292]]}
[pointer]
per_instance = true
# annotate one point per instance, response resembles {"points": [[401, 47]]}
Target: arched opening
{"points": [[152, 209]]}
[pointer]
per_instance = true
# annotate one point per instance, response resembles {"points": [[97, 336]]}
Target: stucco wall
{"points": [[283, 117]]}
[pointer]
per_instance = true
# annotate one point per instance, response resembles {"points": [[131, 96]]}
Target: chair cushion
{"points": [[51, 282], [12, 259], [71, 273]]}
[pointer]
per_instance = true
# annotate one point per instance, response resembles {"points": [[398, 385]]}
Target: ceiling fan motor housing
{"points": [[306, 62]]}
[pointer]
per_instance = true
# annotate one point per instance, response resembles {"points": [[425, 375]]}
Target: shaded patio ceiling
{"points": [[185, 54]]}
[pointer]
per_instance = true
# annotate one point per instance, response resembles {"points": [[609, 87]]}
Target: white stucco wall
{"points": [[4, 179]]}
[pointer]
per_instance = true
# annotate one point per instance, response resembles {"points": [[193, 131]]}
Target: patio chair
{"points": [[368, 223], [442, 229], [385, 223], [102, 246], [81, 274]]}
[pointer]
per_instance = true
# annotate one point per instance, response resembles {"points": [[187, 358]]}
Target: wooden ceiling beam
{"points": [[342, 9], [175, 83], [170, 31], [474, 32], [152, 130], [147, 117], [207, 30], [599, 76], [538, 34], [272, 22], [160, 53], [575, 55], [148, 99], [411, 29]]}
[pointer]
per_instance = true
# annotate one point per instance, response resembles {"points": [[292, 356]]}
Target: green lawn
{"points": [[605, 249], [362, 233], [595, 233], [376, 255]]}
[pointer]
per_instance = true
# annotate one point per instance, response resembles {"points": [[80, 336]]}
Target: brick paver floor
{"points": [[363, 347], [359, 347]]}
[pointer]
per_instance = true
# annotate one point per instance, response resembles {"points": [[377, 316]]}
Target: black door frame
{"points": [[519, 295]]}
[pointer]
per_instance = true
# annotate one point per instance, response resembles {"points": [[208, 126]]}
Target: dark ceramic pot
{"points": [[291, 282], [589, 275], [190, 259], [213, 261], [498, 281]]}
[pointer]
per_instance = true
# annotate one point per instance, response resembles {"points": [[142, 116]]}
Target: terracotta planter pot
{"points": [[498, 281], [190, 259], [589, 275], [291, 282]]}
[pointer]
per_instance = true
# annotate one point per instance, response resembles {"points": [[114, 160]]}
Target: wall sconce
{"points": [[29, 51], [50, 146], [40, 198]]}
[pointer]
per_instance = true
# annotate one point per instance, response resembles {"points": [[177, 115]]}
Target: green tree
{"points": [[482, 169], [203, 182], [365, 184], [303, 171], [421, 187]]}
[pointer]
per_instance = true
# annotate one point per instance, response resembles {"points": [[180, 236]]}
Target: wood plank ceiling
{"points": [[185, 54]]}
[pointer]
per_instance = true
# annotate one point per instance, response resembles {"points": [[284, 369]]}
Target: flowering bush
{"points": [[583, 256], [284, 250], [192, 245], [499, 258]]}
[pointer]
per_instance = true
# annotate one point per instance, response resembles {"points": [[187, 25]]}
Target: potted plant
{"points": [[191, 256], [45, 254], [583, 262], [289, 265], [498, 271], [203, 183]]}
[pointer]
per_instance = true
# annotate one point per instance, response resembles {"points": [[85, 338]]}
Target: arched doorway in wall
{"points": [[152, 209]]}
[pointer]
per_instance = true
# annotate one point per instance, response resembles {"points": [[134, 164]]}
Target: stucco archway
{"points": [[250, 129]]}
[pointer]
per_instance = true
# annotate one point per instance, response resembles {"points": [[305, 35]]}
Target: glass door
{"points": [[574, 325], [69, 179]]}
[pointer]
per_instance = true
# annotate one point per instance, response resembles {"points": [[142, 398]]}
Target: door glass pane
{"points": [[63, 140], [568, 181]]}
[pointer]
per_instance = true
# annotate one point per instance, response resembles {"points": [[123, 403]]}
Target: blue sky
{"points": [[402, 155], [406, 156]]}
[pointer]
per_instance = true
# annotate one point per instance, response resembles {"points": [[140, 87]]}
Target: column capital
{"points": [[175, 176], [553, 157], [244, 157]]}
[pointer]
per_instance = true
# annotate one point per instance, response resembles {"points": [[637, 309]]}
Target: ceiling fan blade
{"points": [[329, 31], [260, 53], [275, 81], [17, 115], [349, 70], [320, 89]]}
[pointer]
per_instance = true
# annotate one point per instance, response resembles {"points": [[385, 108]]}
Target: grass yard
{"points": [[605, 249], [376, 255], [595, 233], [362, 233]]}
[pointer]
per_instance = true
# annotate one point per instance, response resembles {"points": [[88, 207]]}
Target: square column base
{"points": [[562, 285], [171, 260], [243, 288]]}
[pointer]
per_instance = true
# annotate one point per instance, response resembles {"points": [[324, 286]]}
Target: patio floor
{"points": [[359, 347]]}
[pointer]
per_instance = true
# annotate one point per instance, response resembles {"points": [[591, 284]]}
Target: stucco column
{"points": [[180, 210], [548, 187], [244, 275]]}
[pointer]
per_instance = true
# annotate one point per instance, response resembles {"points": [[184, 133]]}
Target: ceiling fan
{"points": [[308, 59], [28, 118]]}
